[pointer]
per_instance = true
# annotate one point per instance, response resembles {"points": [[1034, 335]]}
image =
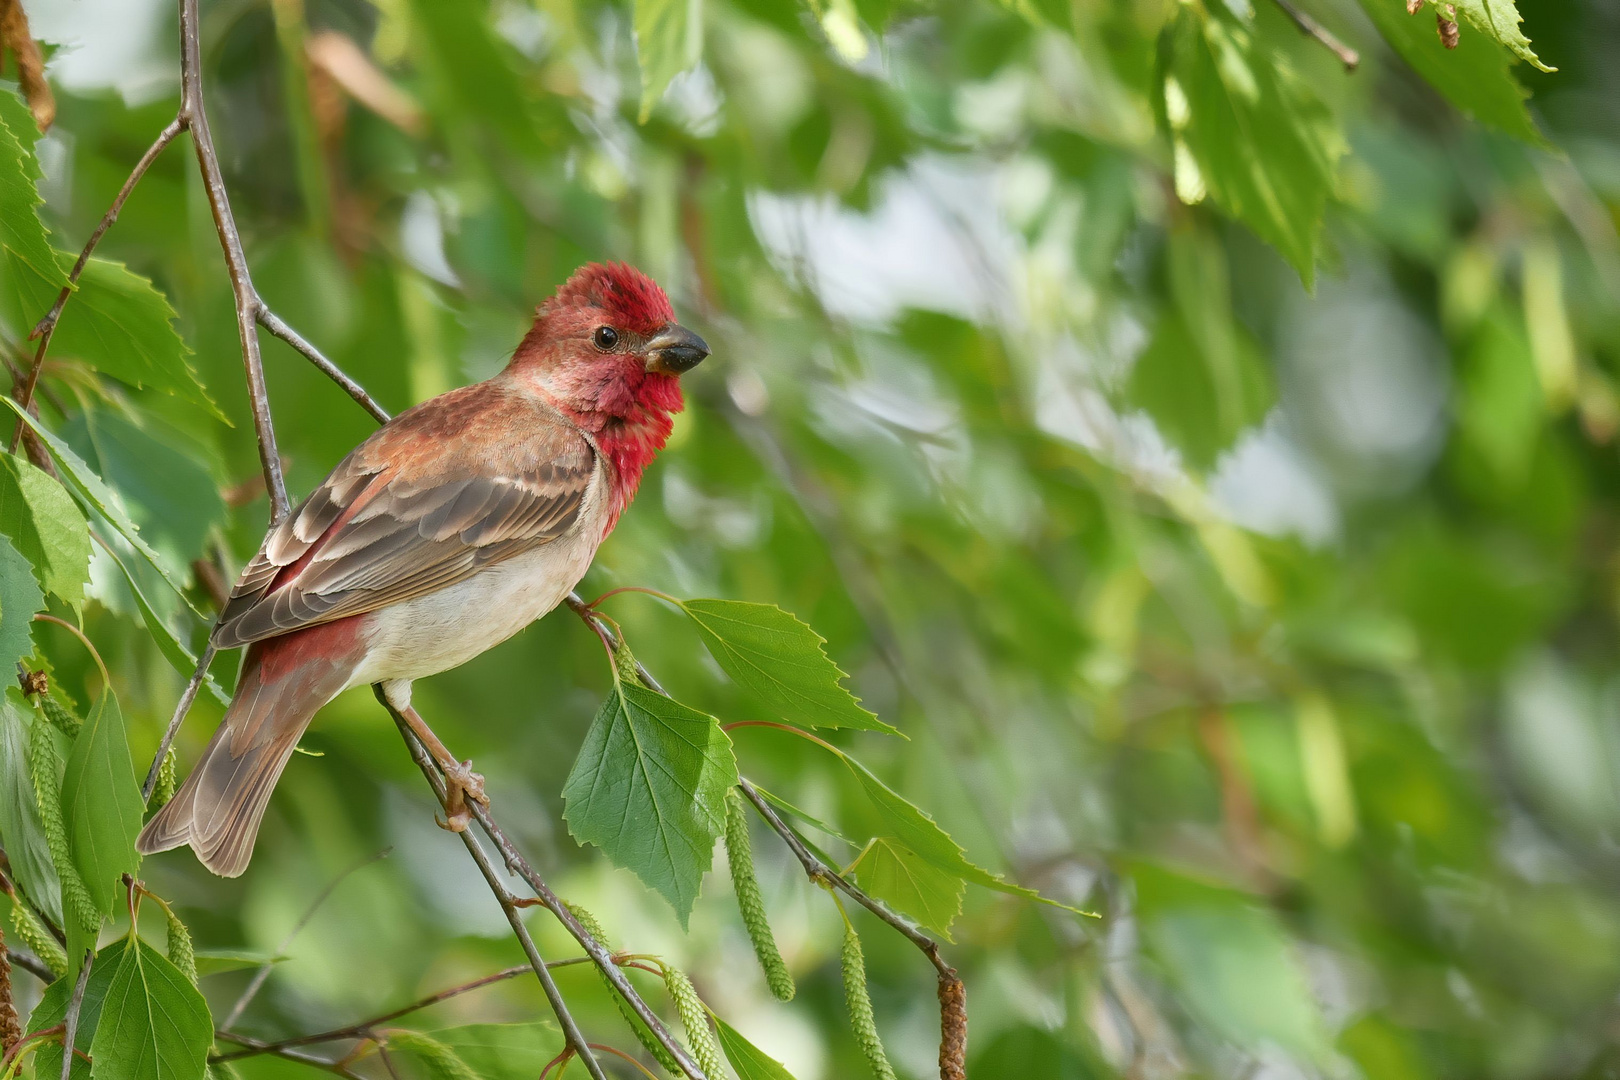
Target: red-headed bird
{"points": [[454, 526]]}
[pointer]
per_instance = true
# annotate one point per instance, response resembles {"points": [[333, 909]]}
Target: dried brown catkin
{"points": [[861, 1020], [750, 902]]}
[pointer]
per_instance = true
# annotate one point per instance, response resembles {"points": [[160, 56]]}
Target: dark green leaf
{"points": [[47, 527], [781, 661], [154, 1025], [749, 1061], [1246, 131], [52, 1010], [893, 873], [101, 802], [649, 789]]}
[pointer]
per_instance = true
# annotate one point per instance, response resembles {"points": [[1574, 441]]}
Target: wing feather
{"points": [[425, 502]]}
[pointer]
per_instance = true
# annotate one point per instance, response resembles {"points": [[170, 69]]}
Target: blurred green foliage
{"points": [[1203, 454]]}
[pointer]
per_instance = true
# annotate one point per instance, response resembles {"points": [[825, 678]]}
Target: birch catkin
{"points": [[48, 793], [181, 954], [740, 854], [60, 715], [694, 1018], [166, 781], [47, 948], [861, 1020], [643, 1035]]}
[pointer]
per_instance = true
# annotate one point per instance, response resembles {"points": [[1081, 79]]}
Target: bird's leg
{"points": [[460, 782]]}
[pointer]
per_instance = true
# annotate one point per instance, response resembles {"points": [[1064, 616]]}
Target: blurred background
{"points": [[1221, 495]]}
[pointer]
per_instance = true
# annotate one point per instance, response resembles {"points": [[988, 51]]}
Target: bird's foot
{"points": [[461, 784]]}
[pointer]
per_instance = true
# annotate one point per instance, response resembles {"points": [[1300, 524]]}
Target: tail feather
{"points": [[221, 804]]}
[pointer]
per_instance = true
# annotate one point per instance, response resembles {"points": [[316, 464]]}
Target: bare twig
{"points": [[277, 326], [263, 973], [1311, 28], [181, 707], [31, 964], [503, 896], [70, 1022]]}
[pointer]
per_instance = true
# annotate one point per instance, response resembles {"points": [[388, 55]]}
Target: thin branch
{"points": [[31, 964], [181, 707], [70, 1022], [503, 896], [1311, 28], [278, 326], [46, 327], [263, 973], [195, 115]]}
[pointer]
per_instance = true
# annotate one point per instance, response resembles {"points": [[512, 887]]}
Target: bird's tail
{"points": [[219, 807]]}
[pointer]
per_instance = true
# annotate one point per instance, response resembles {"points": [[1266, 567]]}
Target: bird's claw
{"points": [[461, 784]]}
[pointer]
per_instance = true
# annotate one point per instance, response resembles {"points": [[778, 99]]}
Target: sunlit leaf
{"points": [[47, 527], [893, 873], [749, 1061], [669, 39], [781, 661], [649, 789], [1499, 19], [101, 803]]}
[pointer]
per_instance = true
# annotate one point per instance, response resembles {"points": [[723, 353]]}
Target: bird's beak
{"points": [[675, 349]]}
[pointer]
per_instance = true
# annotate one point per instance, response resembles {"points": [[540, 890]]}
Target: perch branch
{"points": [[503, 896]]}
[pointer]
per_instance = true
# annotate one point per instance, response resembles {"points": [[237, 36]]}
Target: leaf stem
{"points": [[106, 680]]}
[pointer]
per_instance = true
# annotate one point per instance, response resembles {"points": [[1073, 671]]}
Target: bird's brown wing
{"points": [[442, 491]]}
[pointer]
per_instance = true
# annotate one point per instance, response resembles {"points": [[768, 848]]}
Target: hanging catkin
{"points": [[34, 934], [740, 854], [181, 954], [60, 715], [167, 778], [695, 1019], [861, 1020], [643, 1034], [76, 900]]}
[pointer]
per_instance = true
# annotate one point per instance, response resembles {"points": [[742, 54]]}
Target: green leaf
{"points": [[893, 873], [669, 39], [20, 600], [1476, 76], [20, 827], [52, 1010], [101, 803], [439, 1060], [154, 1025], [473, 65], [781, 661], [122, 326], [47, 527], [1500, 19], [32, 272], [1246, 131], [649, 789], [749, 1061], [218, 961]]}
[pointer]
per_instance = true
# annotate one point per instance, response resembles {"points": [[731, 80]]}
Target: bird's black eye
{"points": [[605, 337]]}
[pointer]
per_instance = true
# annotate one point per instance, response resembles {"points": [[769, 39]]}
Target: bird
{"points": [[451, 528]]}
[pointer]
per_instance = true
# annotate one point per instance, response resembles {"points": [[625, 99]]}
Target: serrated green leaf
{"points": [[1476, 76], [32, 272], [669, 39], [1246, 131], [897, 875], [749, 1061], [46, 526], [1500, 19], [20, 828], [101, 803], [52, 1010], [780, 660], [154, 1025], [120, 324], [649, 789], [20, 600]]}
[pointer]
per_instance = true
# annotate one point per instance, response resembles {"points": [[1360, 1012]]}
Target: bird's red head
{"points": [[607, 351]]}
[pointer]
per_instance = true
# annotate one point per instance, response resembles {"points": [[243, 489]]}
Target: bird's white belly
{"points": [[443, 629]]}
